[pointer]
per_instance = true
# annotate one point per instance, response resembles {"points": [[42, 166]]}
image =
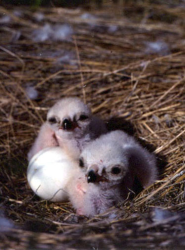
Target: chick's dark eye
{"points": [[52, 120], [81, 163], [83, 117], [116, 170]]}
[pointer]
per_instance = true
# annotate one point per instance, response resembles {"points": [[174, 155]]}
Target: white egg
{"points": [[49, 173]]}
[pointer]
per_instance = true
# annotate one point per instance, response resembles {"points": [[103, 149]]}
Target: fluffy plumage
{"points": [[111, 165], [70, 125]]}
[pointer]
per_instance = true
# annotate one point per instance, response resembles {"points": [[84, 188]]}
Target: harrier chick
{"points": [[70, 125], [111, 166]]}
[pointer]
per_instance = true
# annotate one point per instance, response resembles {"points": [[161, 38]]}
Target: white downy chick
{"points": [[112, 165], [70, 125], [50, 172]]}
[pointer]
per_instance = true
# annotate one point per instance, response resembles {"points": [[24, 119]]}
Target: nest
{"points": [[130, 70]]}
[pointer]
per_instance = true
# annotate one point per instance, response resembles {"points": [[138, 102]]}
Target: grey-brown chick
{"points": [[111, 164], [70, 125]]}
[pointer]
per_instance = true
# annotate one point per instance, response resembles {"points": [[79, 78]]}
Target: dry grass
{"points": [[118, 77]]}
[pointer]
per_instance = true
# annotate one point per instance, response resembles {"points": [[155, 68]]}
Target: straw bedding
{"points": [[128, 65]]}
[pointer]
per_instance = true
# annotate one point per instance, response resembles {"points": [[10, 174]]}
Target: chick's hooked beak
{"points": [[69, 125], [94, 177]]}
